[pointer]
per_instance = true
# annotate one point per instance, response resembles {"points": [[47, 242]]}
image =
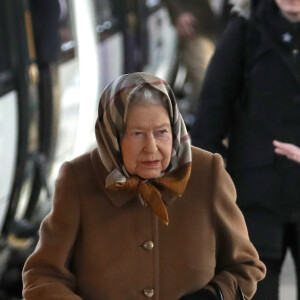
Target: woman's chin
{"points": [[149, 174]]}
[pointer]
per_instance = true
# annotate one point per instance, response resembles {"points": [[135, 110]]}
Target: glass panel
{"points": [[8, 149], [65, 26], [106, 15], [4, 58], [103, 11]]}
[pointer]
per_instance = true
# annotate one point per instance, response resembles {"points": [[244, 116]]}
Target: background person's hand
{"points": [[185, 24], [289, 150]]}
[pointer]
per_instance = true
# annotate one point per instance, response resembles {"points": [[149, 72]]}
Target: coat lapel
{"points": [[269, 44]]}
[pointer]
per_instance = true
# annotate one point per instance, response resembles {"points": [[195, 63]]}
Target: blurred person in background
{"points": [[198, 23], [250, 97], [144, 214]]}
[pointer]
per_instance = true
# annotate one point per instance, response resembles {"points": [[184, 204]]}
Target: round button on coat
{"points": [[148, 292], [148, 245]]}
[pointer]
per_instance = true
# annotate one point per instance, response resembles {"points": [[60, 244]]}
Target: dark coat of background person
{"points": [[252, 92], [251, 96]]}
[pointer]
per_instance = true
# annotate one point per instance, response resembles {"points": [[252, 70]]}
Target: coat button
{"points": [[148, 245], [148, 292]]}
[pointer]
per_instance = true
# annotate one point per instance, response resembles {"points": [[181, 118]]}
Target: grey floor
{"points": [[287, 280]]}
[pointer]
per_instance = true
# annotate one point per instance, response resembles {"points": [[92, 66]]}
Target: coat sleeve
{"points": [[222, 86], [238, 262], [46, 275]]}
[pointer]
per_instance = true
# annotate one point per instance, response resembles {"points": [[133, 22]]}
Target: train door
{"points": [[8, 122], [49, 118], [20, 82], [67, 102], [44, 17], [75, 93], [19, 133]]}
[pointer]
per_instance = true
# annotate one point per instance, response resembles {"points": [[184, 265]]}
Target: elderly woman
{"points": [[144, 215]]}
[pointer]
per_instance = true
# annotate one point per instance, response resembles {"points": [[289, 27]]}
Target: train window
{"points": [[5, 72], [65, 30], [106, 16], [4, 60]]}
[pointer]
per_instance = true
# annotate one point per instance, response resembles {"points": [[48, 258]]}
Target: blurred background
{"points": [[56, 56]]}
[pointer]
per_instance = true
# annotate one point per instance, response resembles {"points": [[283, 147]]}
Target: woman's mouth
{"points": [[150, 163]]}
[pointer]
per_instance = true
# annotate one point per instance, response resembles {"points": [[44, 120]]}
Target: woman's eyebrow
{"points": [[138, 126], [166, 124]]}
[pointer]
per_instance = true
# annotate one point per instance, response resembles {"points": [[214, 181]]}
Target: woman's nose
{"points": [[150, 144]]}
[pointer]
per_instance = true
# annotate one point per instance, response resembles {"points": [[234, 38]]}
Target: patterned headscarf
{"points": [[111, 124]]}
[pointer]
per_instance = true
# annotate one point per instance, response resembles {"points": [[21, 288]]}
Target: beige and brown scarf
{"points": [[110, 126]]}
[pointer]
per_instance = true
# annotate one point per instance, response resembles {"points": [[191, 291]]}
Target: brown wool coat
{"points": [[91, 244]]}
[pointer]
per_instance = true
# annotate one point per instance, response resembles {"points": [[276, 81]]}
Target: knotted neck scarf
{"points": [[110, 127]]}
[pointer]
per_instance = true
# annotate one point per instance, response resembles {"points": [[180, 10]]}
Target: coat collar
{"points": [[119, 198], [269, 44]]}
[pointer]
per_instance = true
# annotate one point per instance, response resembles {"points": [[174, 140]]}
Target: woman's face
{"points": [[290, 9], [147, 142]]}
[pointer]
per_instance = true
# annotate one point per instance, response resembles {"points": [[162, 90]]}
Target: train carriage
{"points": [[49, 92]]}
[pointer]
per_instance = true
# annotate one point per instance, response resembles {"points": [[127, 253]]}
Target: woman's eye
{"points": [[162, 131], [137, 133]]}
